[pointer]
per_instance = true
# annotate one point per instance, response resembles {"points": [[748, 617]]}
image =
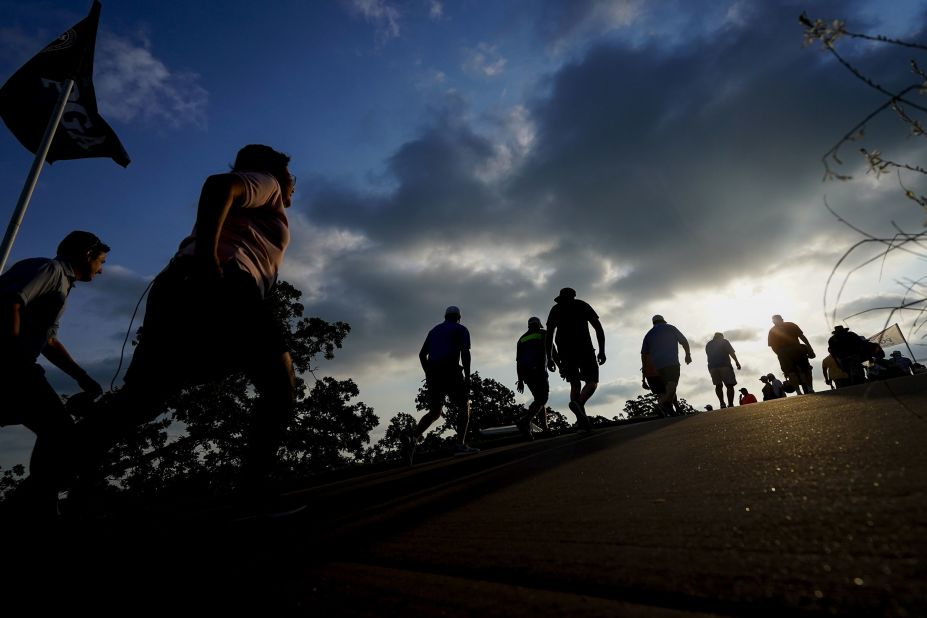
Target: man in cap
{"points": [[661, 349], [446, 347], [904, 364], [531, 365], [785, 339], [746, 397], [568, 327], [33, 293], [720, 352]]}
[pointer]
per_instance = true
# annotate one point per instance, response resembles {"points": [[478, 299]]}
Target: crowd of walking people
{"points": [[207, 317]]}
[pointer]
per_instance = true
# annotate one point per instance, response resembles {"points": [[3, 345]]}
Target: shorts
{"points": [[196, 331], [657, 385], [723, 375], [28, 399], [446, 382], [539, 386], [579, 367], [793, 359], [669, 374]]}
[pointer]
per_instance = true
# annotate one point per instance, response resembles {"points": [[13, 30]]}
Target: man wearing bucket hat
{"points": [[568, 327]]}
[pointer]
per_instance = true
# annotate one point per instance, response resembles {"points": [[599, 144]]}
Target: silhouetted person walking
{"points": [[531, 365], [446, 348], [33, 293], [720, 352], [785, 339], [207, 315], [661, 346], [568, 327]]}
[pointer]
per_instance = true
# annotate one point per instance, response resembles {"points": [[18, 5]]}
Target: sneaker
{"points": [[723, 405], [463, 449], [524, 426]]}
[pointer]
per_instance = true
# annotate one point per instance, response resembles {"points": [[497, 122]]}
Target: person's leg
{"points": [[667, 399], [50, 462], [587, 392], [718, 392], [275, 383], [575, 389], [730, 395], [808, 380]]}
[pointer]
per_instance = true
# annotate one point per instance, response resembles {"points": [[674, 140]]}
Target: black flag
{"points": [[28, 98]]}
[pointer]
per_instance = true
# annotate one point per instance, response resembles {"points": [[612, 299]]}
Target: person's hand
{"points": [[551, 365], [89, 385], [520, 386], [644, 384], [601, 357], [688, 359], [738, 367], [811, 353]]}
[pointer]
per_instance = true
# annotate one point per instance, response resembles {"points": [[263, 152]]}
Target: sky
{"points": [[657, 156]]}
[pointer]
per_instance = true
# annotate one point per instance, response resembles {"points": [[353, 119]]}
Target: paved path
{"points": [[812, 504]]}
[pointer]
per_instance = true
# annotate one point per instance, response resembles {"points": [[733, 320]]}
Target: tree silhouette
{"points": [[907, 105]]}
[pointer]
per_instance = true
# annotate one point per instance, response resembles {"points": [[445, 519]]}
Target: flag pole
{"points": [[33, 178]]}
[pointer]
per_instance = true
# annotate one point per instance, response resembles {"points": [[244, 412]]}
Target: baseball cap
{"points": [[565, 294], [657, 319], [534, 321], [452, 310]]}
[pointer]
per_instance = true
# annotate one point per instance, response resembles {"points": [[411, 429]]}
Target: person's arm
{"points": [[58, 356], [465, 359], [10, 328], [220, 192], [685, 345], [549, 347], [734, 355], [804, 339], [600, 339], [423, 357]]}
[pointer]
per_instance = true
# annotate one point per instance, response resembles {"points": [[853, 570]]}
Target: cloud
{"points": [[435, 9], [131, 82], [484, 60], [648, 177], [380, 13]]}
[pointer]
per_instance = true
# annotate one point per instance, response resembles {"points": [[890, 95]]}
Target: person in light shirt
{"points": [[208, 314]]}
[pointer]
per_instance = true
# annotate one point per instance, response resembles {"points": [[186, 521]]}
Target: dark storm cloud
{"points": [[654, 169]]}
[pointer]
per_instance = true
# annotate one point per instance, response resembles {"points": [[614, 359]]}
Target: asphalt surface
{"points": [[809, 505]]}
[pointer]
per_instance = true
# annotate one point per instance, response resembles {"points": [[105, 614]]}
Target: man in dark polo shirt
{"points": [[446, 347], [33, 293], [661, 349], [568, 326]]}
